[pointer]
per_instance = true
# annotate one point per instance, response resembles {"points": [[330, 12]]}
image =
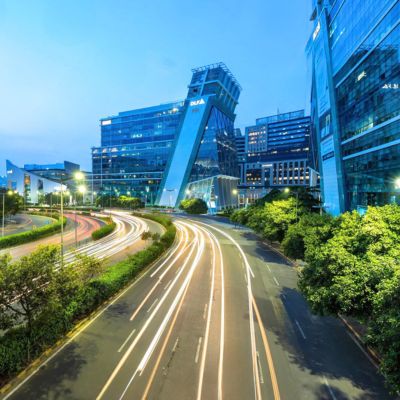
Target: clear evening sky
{"points": [[65, 64]]}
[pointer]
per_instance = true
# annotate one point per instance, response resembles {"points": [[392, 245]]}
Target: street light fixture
{"points": [[9, 193], [397, 183]]}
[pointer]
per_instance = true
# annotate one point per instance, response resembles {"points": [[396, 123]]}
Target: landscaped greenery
{"points": [[352, 265], [39, 304], [194, 206], [29, 236], [105, 230], [131, 203]]}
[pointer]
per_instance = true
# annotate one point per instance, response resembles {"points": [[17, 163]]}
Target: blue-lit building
{"points": [[154, 153], [30, 185], [135, 148], [278, 154], [355, 102]]}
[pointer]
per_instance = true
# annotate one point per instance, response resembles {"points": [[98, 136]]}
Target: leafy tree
{"points": [[384, 328], [26, 287], [146, 235], [105, 200], [12, 202], [311, 228], [155, 236], [194, 206], [277, 216], [343, 274]]}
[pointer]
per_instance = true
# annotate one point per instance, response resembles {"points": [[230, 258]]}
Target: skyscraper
{"points": [[155, 152], [354, 55], [277, 153]]}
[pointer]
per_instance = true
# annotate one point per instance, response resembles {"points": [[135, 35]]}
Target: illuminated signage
{"points": [[361, 76], [197, 102], [391, 86], [107, 122], [316, 31]]}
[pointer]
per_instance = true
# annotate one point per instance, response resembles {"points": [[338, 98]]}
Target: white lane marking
{"points": [[260, 368], [166, 286], [256, 378], [196, 359], [361, 348], [300, 329], [245, 278], [175, 345], [269, 269], [82, 329], [251, 272], [126, 341], [208, 323], [149, 352], [155, 301], [325, 381], [205, 310], [276, 281]]}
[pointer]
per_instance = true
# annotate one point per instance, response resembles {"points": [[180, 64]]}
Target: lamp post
{"points": [[10, 193], [235, 192], [287, 190], [81, 189]]}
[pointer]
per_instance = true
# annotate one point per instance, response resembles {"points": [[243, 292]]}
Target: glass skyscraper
{"points": [[155, 152], [354, 54], [278, 152], [135, 148]]}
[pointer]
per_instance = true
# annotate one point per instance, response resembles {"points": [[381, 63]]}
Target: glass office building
{"points": [[135, 148], [155, 152], [277, 152], [354, 54]]}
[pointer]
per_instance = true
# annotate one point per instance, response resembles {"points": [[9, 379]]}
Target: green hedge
{"points": [[16, 350], [29, 236], [105, 230]]}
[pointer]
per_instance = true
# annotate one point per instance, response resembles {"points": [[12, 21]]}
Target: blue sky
{"points": [[65, 64]]}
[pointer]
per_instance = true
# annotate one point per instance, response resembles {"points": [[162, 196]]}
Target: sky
{"points": [[66, 64]]}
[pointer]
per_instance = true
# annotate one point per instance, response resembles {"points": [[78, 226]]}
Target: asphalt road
{"points": [[25, 222], [219, 317]]}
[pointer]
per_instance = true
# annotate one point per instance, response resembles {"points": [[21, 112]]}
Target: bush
{"points": [[29, 236], [105, 230], [311, 227], [75, 293], [194, 206]]}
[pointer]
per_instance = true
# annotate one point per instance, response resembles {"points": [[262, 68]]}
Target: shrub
{"points": [[29, 236], [194, 206], [105, 230], [75, 292]]}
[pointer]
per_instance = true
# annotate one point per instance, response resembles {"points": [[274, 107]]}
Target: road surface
{"points": [[218, 317], [25, 222]]}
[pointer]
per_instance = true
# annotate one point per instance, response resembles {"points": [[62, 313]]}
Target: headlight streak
{"points": [[199, 241]]}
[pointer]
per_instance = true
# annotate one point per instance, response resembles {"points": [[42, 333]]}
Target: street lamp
{"points": [[235, 192], [287, 190], [10, 193], [397, 183], [82, 190]]}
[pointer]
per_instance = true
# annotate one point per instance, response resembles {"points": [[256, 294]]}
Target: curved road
{"points": [[218, 317]]}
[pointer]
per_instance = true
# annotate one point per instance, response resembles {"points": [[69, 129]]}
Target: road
{"points": [[25, 222], [218, 317], [124, 240]]}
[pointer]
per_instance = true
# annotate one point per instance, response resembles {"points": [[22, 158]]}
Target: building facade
{"points": [[355, 105], [277, 153], [155, 152], [31, 186], [135, 148]]}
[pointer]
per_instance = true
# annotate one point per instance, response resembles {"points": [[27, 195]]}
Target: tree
{"points": [[26, 287], [146, 235], [277, 216], [194, 206], [311, 227], [384, 328], [12, 202], [342, 275]]}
